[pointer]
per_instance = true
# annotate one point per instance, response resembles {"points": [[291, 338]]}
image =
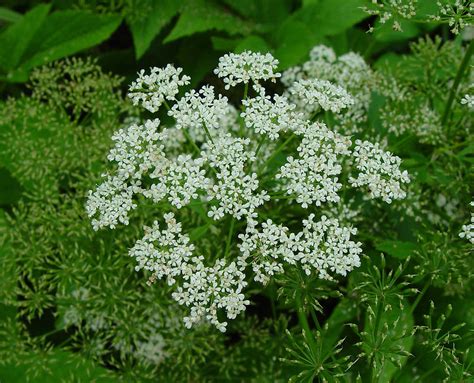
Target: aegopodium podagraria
{"points": [[232, 177]]}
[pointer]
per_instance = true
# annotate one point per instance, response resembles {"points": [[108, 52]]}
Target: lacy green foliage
{"points": [[79, 87], [415, 89]]}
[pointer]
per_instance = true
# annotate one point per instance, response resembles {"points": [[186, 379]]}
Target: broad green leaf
{"points": [[294, 40], [269, 14], [385, 32], [145, 30], [65, 33], [252, 43], [344, 312], [200, 16], [9, 15], [15, 39], [331, 17], [397, 249], [224, 44]]}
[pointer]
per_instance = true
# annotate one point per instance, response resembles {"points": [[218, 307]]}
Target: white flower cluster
{"points": [[392, 9], [196, 110], [168, 254], [349, 72], [207, 157], [179, 180], [235, 189], [313, 176], [467, 230], [458, 14], [151, 90], [246, 66], [269, 117], [322, 246], [315, 94], [379, 171]]}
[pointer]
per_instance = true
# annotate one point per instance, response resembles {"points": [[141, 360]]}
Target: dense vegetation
{"points": [[329, 191]]}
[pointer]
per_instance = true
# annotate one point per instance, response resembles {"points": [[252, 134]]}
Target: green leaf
{"points": [[224, 44], [397, 249], [294, 41], [9, 15], [331, 17], [65, 33], [344, 312], [199, 231], [200, 16], [15, 39], [252, 43], [385, 32], [145, 30]]}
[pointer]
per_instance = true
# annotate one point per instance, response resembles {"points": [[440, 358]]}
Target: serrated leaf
{"points": [[145, 30], [200, 16], [15, 40], [65, 33]]}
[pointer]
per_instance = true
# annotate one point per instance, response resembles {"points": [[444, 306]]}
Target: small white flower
{"points": [[234, 189], [151, 90], [246, 66], [379, 171], [313, 177], [321, 93], [269, 118]]}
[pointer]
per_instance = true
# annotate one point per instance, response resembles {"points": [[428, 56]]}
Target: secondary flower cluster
{"points": [[236, 168], [343, 84]]}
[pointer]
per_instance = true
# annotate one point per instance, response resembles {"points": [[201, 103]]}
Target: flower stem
{"points": [[457, 81], [191, 141], [208, 134], [279, 149], [229, 237], [304, 323]]}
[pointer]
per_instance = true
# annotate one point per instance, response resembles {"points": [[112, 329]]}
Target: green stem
{"points": [[208, 134], [191, 141], [279, 149], [229, 237], [304, 323], [419, 297], [262, 140], [246, 90], [457, 81]]}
